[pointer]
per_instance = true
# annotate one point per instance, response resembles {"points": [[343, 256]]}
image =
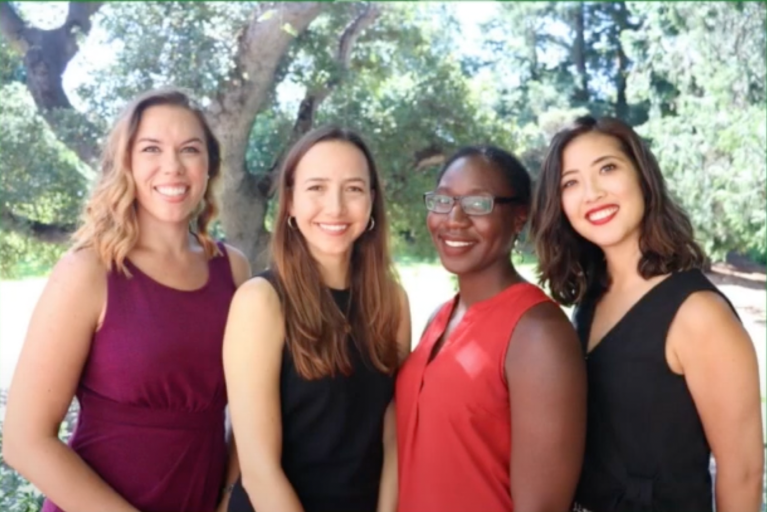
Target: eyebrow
{"points": [[598, 160], [325, 180], [156, 141], [473, 192]]}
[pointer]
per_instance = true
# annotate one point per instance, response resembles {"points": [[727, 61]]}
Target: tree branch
{"points": [[428, 157], [46, 56], [261, 46], [51, 233], [307, 109], [13, 27]]}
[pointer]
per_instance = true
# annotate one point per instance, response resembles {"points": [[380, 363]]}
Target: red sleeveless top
{"points": [[453, 415]]}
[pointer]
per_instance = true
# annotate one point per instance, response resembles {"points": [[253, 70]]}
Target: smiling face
{"points": [[471, 243], [169, 164], [601, 193], [331, 198]]}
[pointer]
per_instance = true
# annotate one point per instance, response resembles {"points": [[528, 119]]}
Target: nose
{"points": [[171, 163], [593, 190], [457, 216], [334, 203]]}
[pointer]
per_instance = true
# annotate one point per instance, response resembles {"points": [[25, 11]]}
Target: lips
{"points": [[172, 193], [454, 246], [602, 215], [333, 228]]}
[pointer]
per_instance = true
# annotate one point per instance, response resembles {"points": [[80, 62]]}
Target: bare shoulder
{"points": [[80, 273], [704, 321], [703, 311], [257, 299], [79, 263], [239, 263], [542, 323], [254, 315]]}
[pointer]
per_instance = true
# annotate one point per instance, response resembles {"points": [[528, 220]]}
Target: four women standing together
{"points": [[499, 408]]}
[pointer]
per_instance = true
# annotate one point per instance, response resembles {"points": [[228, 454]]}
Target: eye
{"points": [[356, 189], [443, 199], [314, 188], [568, 183], [150, 149], [190, 149], [608, 167]]}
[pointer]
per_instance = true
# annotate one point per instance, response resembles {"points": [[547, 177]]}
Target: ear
{"points": [[520, 219]]}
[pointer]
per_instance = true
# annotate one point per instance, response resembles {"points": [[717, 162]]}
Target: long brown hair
{"points": [[316, 329], [110, 225], [573, 266]]}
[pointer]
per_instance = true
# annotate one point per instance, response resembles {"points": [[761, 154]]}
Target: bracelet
{"points": [[229, 488]]}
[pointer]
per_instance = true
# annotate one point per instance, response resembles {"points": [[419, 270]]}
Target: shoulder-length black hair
{"points": [[573, 266]]}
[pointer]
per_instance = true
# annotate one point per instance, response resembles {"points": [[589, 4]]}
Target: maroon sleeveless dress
{"points": [[152, 392]]}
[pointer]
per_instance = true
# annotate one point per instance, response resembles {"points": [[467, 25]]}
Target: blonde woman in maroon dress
{"points": [[131, 322]]}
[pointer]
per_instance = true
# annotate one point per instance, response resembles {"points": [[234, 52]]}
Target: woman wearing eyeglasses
{"points": [[491, 405]]}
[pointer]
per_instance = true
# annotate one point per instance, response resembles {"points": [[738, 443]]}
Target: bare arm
{"points": [[253, 346], [56, 347], [241, 273], [388, 491], [718, 361], [546, 376]]}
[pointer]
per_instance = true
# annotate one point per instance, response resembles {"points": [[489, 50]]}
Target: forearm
{"points": [[387, 493], [739, 489], [270, 491], [66, 479]]}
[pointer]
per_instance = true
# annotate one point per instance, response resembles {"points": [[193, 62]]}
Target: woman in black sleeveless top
{"points": [[312, 345], [672, 374]]}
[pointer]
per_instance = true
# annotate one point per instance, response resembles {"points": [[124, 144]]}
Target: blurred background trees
{"points": [[413, 78]]}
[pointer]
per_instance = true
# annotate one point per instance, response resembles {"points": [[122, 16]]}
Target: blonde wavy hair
{"points": [[110, 226]]}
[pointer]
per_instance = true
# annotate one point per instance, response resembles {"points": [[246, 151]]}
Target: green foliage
{"points": [[40, 179], [11, 66], [709, 135], [690, 76], [187, 44]]}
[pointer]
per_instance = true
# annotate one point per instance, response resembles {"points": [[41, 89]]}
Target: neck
{"points": [[487, 283], [334, 270], [163, 238], [623, 264]]}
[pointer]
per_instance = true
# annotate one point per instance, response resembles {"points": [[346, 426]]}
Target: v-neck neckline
{"points": [[467, 314], [631, 310]]}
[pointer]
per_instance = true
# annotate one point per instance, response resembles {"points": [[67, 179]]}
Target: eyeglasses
{"points": [[471, 205]]}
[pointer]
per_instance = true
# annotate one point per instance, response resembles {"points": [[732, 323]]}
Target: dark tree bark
{"points": [[621, 23], [579, 55], [51, 233], [46, 56]]}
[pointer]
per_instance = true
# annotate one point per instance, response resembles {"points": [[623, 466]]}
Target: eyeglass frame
{"points": [[459, 199]]}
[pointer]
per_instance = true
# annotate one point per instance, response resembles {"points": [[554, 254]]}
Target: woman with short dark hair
{"points": [[491, 405]]}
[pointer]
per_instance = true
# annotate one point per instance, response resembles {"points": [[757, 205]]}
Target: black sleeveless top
{"points": [[645, 445], [332, 432]]}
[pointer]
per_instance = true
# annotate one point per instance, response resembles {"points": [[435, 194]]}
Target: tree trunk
{"points": [[46, 56], [262, 45], [620, 18], [579, 55], [244, 197]]}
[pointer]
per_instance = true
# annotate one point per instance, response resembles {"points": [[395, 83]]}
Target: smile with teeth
{"points": [[457, 243], [602, 214], [333, 228], [172, 191]]}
